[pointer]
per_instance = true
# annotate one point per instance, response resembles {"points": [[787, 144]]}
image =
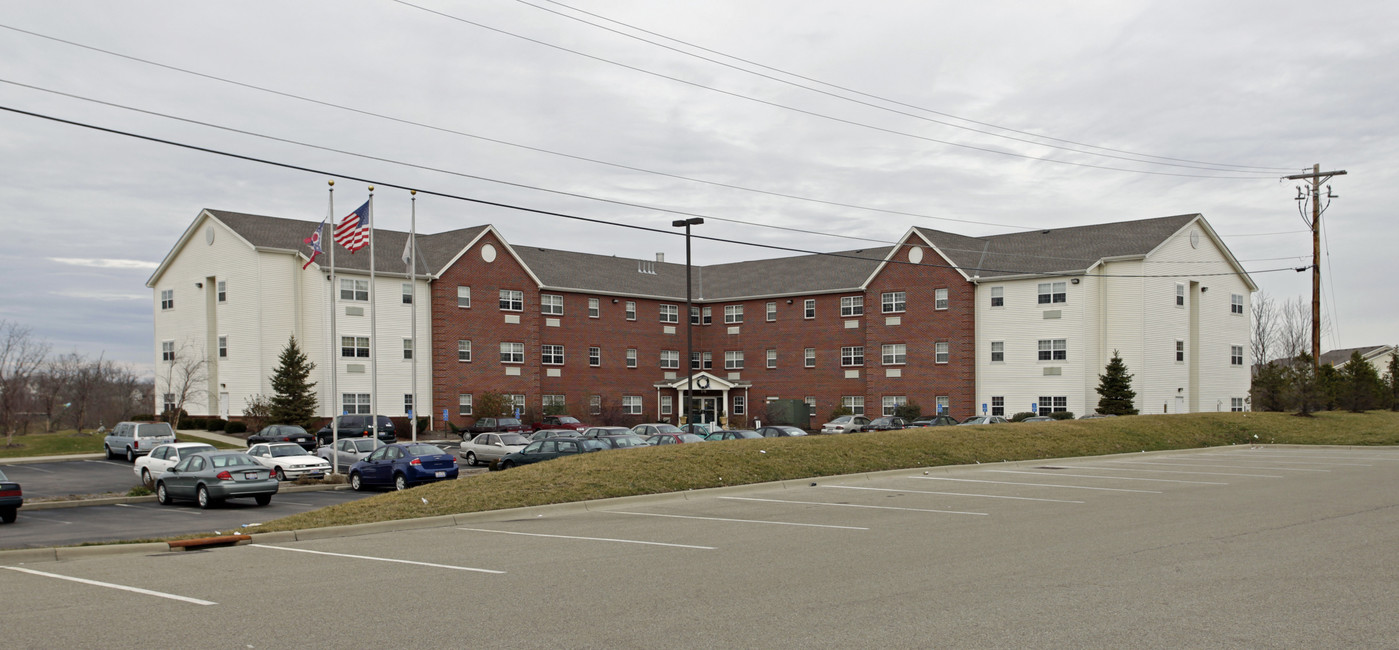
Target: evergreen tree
{"points": [[1304, 385], [1360, 386], [1270, 389], [293, 400], [1115, 389], [1394, 379]]}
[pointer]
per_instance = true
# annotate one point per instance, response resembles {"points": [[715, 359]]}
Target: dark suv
{"points": [[358, 426]]}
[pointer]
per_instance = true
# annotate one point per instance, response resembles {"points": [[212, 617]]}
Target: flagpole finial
{"points": [[413, 192], [332, 183], [371, 188]]}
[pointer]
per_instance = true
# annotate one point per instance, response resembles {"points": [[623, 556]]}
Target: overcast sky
{"points": [[452, 97]]}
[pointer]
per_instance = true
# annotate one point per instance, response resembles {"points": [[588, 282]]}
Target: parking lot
{"points": [[1221, 547]]}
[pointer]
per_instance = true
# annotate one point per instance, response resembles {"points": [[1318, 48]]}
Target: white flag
{"points": [[408, 252]]}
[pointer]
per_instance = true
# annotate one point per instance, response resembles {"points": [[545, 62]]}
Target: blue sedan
{"points": [[402, 466]]}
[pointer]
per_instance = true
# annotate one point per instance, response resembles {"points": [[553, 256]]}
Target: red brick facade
{"points": [[919, 327]]}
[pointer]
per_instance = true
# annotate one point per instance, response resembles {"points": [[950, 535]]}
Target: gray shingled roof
{"points": [[290, 234], [1339, 358], [1055, 250]]}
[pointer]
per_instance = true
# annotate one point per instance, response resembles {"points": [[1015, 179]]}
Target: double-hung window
{"points": [[670, 314], [702, 361], [594, 308], [631, 357], [670, 359], [1053, 404], [223, 347], [1052, 292], [407, 349], [551, 304], [512, 352], [1180, 351], [407, 293], [464, 404], [809, 357], [1053, 349], [1180, 295], [998, 296], [1236, 355], [551, 355], [511, 300], [998, 352], [1236, 304], [733, 314], [463, 350], [771, 312], [855, 403], [594, 356], [357, 290], [167, 350], [893, 302], [733, 360], [894, 354], [940, 299], [631, 310], [852, 306], [631, 404], [852, 355], [354, 347], [464, 297], [809, 308], [941, 351], [167, 299], [892, 404], [772, 357], [222, 290]]}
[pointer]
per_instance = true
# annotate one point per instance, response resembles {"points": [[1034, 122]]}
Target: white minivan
{"points": [[132, 439]]}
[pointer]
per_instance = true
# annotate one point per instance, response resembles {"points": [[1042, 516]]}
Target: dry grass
{"points": [[684, 467]]}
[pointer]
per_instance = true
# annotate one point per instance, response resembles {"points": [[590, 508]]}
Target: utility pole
{"points": [[1315, 179]]}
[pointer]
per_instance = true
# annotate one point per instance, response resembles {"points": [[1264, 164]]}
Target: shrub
{"points": [[1020, 417], [1062, 415], [215, 424], [193, 423], [235, 427], [910, 411]]}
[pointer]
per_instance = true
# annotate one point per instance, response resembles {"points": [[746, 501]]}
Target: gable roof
{"points": [[1054, 251], [1339, 358]]}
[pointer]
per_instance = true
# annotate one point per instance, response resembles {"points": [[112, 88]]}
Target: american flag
{"points": [[353, 231]]}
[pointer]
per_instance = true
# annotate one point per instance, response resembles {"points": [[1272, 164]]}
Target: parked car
{"points": [[780, 431], [11, 499], [358, 426], [593, 432], [501, 425], [1038, 418], [284, 433], [209, 477], [149, 467], [935, 421], [132, 439], [700, 428], [556, 433], [403, 465], [1095, 416], [348, 451], [487, 447], [734, 434], [560, 422], [623, 441], [288, 460], [549, 449], [846, 424], [674, 438], [886, 424], [651, 429], [983, 419]]}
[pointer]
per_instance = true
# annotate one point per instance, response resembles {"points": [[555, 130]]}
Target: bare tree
{"points": [[51, 385], [21, 356], [102, 389], [183, 378], [1265, 330]]}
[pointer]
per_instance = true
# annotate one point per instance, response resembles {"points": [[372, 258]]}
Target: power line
{"points": [[1174, 162], [508, 206], [817, 114]]}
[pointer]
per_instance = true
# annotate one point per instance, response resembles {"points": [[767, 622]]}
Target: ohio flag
{"points": [[315, 241], [353, 231]]}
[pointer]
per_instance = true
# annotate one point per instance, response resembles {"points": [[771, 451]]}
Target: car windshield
{"points": [[291, 430], [793, 431], [194, 449], [422, 450], [508, 422], [690, 437], [842, 419], [2, 477], [514, 439], [287, 450], [155, 430], [233, 460], [564, 419], [667, 428], [623, 442], [364, 444]]}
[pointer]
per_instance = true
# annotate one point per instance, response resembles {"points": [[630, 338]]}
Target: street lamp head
{"points": [[692, 221]]}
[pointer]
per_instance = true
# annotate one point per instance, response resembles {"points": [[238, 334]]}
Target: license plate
{"points": [[441, 475], [251, 476]]}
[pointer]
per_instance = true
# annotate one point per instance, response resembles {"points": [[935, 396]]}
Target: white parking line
{"points": [[376, 559], [1289, 460], [952, 494], [1110, 478], [30, 515], [107, 462], [1070, 487], [1290, 454], [855, 505], [31, 467], [1272, 469], [590, 539], [295, 503], [109, 585], [183, 511], [743, 521], [1167, 471]]}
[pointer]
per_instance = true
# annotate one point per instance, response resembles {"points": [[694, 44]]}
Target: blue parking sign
{"points": [[983, 408]]}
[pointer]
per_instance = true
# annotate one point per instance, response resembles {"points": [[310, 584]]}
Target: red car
{"points": [[560, 422]]}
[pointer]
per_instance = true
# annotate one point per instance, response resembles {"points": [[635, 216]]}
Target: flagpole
{"points": [[334, 364], [373, 328], [413, 288]]}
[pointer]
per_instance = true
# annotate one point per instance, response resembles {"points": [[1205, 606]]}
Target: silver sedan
{"points": [[488, 447], [348, 451]]}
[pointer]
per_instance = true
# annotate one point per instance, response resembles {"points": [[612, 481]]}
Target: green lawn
{"points": [[738, 462], [70, 442]]}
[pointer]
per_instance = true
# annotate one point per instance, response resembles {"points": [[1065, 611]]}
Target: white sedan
{"points": [[288, 460], [491, 446], [149, 467]]}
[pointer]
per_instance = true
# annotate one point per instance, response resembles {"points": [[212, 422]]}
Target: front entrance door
{"points": [[223, 405], [708, 409], [1180, 404]]}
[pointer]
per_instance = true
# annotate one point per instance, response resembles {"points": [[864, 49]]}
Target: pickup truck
{"points": [[498, 425]]}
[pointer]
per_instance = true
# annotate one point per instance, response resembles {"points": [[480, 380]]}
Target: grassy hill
{"points": [[714, 464]]}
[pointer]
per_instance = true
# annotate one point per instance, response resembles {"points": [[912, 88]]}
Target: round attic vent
{"points": [[488, 253], [209, 235], [915, 255]]}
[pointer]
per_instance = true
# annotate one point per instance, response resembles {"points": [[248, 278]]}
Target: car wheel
{"points": [[281, 474], [130, 455], [202, 496], [400, 482], [8, 515], [107, 449], [356, 483], [161, 496], [506, 464], [471, 458], [145, 476], [263, 499]]}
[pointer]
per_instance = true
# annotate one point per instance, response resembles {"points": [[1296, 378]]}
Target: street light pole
{"points": [[689, 400]]}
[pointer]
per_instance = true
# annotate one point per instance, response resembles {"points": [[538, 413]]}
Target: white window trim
{"points": [[463, 294], [893, 302], [464, 349]]}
